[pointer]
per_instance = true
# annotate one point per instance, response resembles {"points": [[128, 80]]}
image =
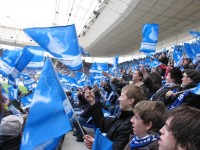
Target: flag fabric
{"points": [[101, 142], [197, 90], [23, 61], [150, 38], [8, 61], [61, 42], [37, 62], [13, 93], [154, 63], [195, 34], [81, 77], [13, 62], [178, 56], [69, 81], [98, 67], [27, 100], [49, 112], [84, 52], [28, 81]]}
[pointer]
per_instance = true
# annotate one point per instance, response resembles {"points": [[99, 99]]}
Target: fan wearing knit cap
{"points": [[10, 132], [191, 78]]}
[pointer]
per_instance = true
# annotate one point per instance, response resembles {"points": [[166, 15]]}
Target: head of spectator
{"points": [[149, 117], [181, 130], [174, 76], [11, 126], [137, 76], [130, 96], [189, 76]]}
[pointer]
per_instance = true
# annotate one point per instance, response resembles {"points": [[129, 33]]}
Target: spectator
{"points": [[181, 130], [118, 127], [191, 79], [148, 119]]}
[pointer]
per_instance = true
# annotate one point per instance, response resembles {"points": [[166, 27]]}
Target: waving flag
{"points": [[69, 81], [27, 100], [178, 56], [194, 34], [101, 142], [13, 93], [197, 90], [99, 67], [155, 63], [84, 52], [12, 63], [81, 77], [8, 61], [37, 62], [61, 42], [28, 82], [150, 38], [49, 98]]}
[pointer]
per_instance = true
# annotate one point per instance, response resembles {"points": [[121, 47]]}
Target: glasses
{"points": [[185, 76]]}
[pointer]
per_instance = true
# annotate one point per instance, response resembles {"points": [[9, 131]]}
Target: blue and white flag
{"points": [[37, 62], [81, 77], [69, 81], [195, 34], [101, 142], [28, 82], [4, 93], [178, 56], [61, 42], [84, 52], [8, 61], [23, 61], [197, 90], [13, 62], [13, 93], [98, 67], [27, 100], [49, 112], [150, 38], [155, 63]]}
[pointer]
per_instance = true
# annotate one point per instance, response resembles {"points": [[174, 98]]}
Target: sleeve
{"points": [[104, 123]]}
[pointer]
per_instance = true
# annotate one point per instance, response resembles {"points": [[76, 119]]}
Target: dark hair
{"points": [[185, 126], [151, 111], [176, 74]]}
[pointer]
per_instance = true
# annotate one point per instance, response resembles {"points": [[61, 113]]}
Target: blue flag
{"points": [[28, 82], [150, 38], [13, 62], [99, 67], [81, 77], [27, 100], [195, 34], [101, 142], [48, 112], [178, 56], [84, 52], [69, 81], [37, 62], [61, 42], [13, 93], [197, 90], [8, 61], [23, 61]]}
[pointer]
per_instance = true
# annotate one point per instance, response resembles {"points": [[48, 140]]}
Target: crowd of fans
{"points": [[147, 108]]}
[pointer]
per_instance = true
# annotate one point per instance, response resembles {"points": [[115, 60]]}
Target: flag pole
{"points": [[185, 90], [69, 102]]}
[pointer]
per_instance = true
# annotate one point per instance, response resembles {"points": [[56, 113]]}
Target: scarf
{"points": [[178, 101], [137, 142]]}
